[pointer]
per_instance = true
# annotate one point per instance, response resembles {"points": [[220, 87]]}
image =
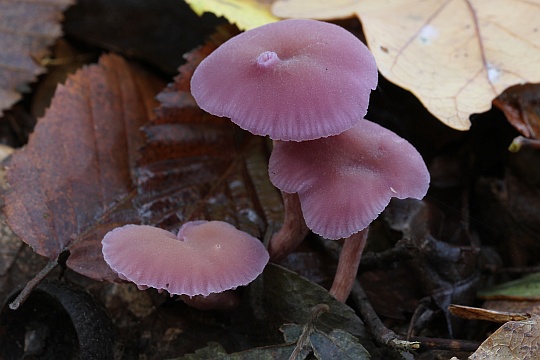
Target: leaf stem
{"points": [[31, 285]]}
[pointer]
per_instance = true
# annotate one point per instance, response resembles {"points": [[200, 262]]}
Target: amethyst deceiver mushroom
{"points": [[293, 80], [345, 181], [205, 257]]}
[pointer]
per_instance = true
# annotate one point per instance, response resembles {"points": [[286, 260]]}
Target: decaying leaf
{"points": [[246, 14], [338, 344], [281, 296], [27, 28], [474, 313], [216, 352], [521, 105], [515, 340], [455, 56], [286, 306], [73, 181], [197, 166]]}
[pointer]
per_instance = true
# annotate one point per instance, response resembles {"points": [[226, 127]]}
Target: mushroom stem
{"points": [[348, 262], [293, 231]]}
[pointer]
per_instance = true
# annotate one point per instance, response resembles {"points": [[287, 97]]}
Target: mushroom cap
{"points": [[205, 257], [294, 80], [345, 181]]}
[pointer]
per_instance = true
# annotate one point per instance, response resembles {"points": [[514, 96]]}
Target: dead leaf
{"points": [[27, 29], [521, 105], [67, 59], [474, 313], [246, 14], [515, 340], [198, 166], [455, 56], [72, 182]]}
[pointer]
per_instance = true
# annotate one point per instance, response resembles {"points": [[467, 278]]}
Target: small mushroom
{"points": [[345, 181], [205, 257], [293, 80]]}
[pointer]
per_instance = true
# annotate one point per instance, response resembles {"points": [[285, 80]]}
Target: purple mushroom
{"points": [[205, 257], [345, 181], [306, 84], [291, 80]]}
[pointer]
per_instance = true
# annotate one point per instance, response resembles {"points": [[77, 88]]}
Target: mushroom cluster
{"points": [[306, 84]]}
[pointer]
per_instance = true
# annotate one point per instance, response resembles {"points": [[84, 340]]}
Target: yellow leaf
{"points": [[456, 56], [315, 9], [246, 14]]}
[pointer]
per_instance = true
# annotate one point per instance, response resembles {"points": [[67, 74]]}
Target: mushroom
{"points": [[205, 257], [345, 181], [293, 80]]}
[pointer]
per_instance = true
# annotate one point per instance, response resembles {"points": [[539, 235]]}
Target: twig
{"points": [[446, 344], [401, 251], [31, 285], [380, 333]]}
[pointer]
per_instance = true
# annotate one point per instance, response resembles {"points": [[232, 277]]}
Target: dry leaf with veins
{"points": [[514, 340], [69, 182], [455, 56]]}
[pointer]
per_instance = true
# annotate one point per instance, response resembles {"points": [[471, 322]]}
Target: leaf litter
{"points": [[152, 207]]}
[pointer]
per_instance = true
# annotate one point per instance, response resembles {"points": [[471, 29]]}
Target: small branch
{"points": [[446, 344], [380, 333], [31, 285], [401, 251]]}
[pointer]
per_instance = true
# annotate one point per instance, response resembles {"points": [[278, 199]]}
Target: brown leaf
{"points": [[198, 166], [514, 340], [521, 105], [474, 313], [73, 181], [27, 29]]}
